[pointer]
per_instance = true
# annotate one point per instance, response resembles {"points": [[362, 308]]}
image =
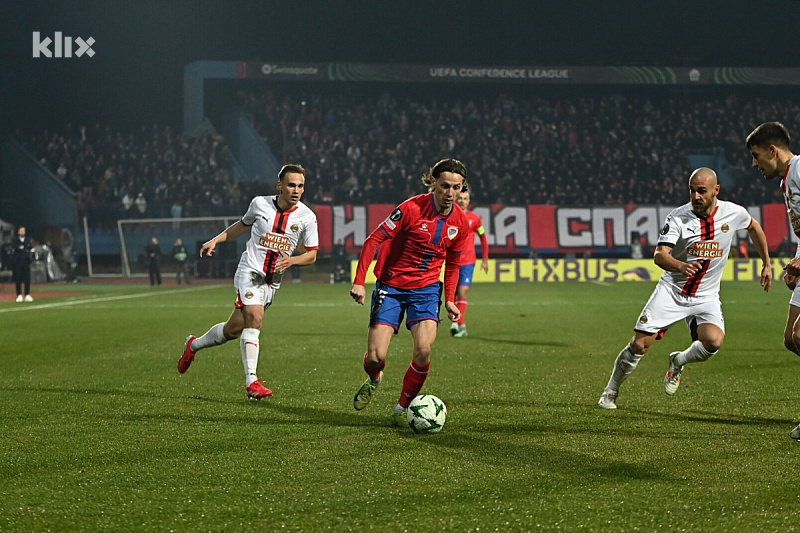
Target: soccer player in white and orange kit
{"points": [[277, 225], [692, 249], [770, 146], [468, 260]]}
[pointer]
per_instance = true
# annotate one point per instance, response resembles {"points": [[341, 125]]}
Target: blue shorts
{"points": [[465, 273], [389, 305]]}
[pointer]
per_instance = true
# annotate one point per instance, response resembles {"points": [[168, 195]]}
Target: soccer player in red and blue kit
{"points": [[468, 260], [415, 240]]}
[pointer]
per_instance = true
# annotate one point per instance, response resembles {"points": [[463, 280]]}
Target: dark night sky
{"points": [[141, 47]]}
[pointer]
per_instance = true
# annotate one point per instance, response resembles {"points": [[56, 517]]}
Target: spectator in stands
{"points": [[127, 203], [21, 264], [340, 271], [153, 254], [181, 256], [622, 148], [141, 204]]}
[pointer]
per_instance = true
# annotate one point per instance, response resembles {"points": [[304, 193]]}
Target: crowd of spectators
{"points": [[372, 145], [151, 173], [562, 149]]}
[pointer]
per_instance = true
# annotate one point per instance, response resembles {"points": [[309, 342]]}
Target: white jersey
{"points": [[790, 185], [706, 240], [274, 232]]}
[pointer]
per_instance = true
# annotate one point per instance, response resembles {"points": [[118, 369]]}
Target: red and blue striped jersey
{"points": [[415, 240]]}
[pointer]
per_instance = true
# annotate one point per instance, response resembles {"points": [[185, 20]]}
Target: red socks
{"points": [[412, 383], [461, 303]]}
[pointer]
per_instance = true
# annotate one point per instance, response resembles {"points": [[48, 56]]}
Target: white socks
{"points": [[695, 353], [625, 364], [212, 337], [249, 345]]}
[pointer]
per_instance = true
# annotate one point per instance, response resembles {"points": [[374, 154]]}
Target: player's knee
{"points": [[639, 346], [422, 355], [374, 357], [712, 346]]}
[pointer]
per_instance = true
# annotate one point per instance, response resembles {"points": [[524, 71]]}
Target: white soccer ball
{"points": [[426, 414]]}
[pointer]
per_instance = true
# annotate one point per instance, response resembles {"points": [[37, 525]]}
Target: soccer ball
{"points": [[426, 414]]}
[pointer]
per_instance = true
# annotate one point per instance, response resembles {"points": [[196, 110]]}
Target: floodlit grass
{"points": [[100, 432]]}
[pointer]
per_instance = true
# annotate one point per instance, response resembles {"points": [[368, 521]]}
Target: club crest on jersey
{"points": [[452, 231], [644, 319], [248, 295], [294, 227], [725, 228]]}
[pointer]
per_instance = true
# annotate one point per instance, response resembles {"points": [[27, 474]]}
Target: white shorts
{"points": [[251, 289], [795, 300], [666, 307]]}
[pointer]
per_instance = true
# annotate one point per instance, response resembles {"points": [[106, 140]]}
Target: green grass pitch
{"points": [[99, 432]]}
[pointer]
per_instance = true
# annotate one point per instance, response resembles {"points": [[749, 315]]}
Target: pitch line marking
{"points": [[55, 305]]}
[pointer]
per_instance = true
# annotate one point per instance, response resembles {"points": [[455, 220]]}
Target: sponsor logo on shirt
{"points": [[794, 218], [278, 243], [705, 249]]}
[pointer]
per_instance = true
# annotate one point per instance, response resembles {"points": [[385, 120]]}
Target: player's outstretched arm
{"points": [[232, 232]]}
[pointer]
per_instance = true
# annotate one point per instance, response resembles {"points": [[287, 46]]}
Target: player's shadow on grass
{"points": [[293, 414], [517, 342], [346, 416], [711, 417], [89, 391], [326, 334], [538, 457]]}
